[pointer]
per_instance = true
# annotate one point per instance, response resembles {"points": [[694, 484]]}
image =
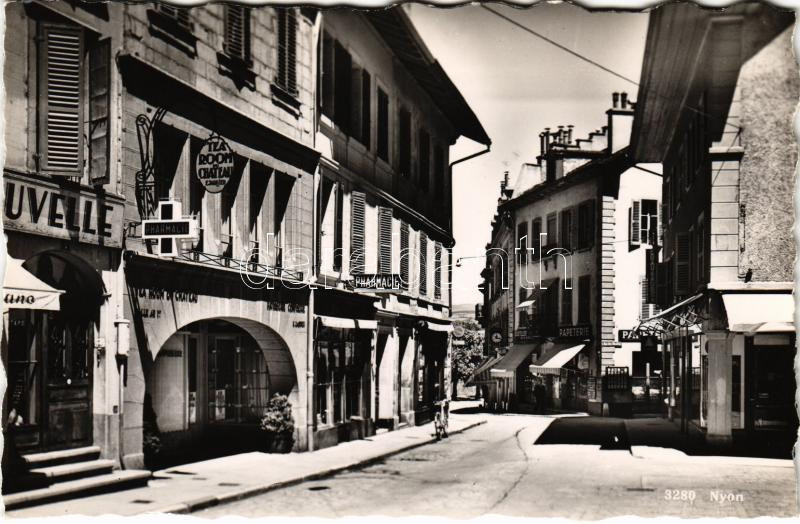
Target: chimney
{"points": [[620, 123], [614, 100], [569, 134], [623, 100], [560, 136]]}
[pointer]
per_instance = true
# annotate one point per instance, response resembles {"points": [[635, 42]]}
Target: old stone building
{"points": [[725, 282]]}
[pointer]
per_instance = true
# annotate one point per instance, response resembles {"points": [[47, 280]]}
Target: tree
{"points": [[467, 351]]}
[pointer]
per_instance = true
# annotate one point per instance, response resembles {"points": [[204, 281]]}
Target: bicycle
{"points": [[440, 419]]}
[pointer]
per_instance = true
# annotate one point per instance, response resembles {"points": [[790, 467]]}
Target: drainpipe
{"points": [[310, 324]]}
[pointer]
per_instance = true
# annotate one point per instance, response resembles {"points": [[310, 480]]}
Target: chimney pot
{"points": [[624, 100], [615, 99]]}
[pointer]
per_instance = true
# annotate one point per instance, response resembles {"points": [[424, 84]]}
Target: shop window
{"points": [[584, 298], [383, 125], [423, 263], [357, 224], [238, 381], [404, 139], [24, 369], [342, 358], [287, 50], [424, 158], [384, 239], [237, 32]]}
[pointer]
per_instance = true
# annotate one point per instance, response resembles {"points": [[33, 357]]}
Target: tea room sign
{"points": [[214, 163]]}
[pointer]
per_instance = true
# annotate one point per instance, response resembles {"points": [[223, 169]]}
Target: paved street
{"points": [[496, 468]]}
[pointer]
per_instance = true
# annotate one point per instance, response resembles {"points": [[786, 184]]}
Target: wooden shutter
{"points": [[237, 32], [287, 50], [405, 142], [423, 263], [566, 303], [651, 274], [404, 254], [338, 232], [584, 298], [566, 229], [424, 159], [383, 125], [700, 248], [357, 232], [384, 240], [61, 100], [342, 79], [644, 307], [99, 106], [327, 68], [682, 263], [536, 229], [635, 223], [522, 242], [366, 108], [437, 271], [660, 225]]}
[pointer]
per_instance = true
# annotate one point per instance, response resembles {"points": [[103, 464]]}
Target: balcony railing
{"points": [[228, 262]]}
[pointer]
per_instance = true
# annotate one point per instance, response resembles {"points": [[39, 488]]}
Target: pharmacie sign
{"points": [[214, 163], [72, 213], [377, 282]]}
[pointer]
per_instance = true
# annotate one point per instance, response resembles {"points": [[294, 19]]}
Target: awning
{"points": [[64, 270], [347, 323], [759, 312], [507, 366], [527, 303], [551, 362], [442, 328], [22, 290], [481, 374], [676, 316]]}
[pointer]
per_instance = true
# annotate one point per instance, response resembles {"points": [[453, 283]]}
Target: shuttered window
{"points": [[643, 223], [357, 232], [522, 242], [423, 263], [383, 125], [566, 229], [179, 14], [327, 77], [683, 247], [99, 106], [341, 87], [404, 253], [237, 32], [437, 271], [61, 100], [338, 232], [384, 240], [566, 303], [424, 157], [536, 230], [635, 220], [438, 172], [700, 248], [404, 146], [366, 108], [586, 224], [584, 298], [287, 50]]}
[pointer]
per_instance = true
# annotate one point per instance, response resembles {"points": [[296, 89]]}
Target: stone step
{"points": [[64, 456], [75, 470], [71, 489]]}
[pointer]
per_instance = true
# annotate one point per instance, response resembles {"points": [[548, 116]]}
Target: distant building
{"points": [[716, 107], [464, 312]]}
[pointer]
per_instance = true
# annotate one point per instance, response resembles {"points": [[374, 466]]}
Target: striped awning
{"points": [[481, 374], [551, 362]]}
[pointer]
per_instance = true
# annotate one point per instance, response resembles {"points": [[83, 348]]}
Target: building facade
{"points": [[387, 117], [725, 283]]}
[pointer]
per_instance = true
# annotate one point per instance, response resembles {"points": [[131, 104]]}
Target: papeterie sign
{"points": [[629, 335], [71, 213], [214, 163], [377, 282], [578, 331]]}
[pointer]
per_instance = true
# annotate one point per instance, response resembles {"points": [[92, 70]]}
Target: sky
{"points": [[517, 85]]}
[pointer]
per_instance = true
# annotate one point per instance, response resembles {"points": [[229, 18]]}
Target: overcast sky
{"points": [[517, 85]]}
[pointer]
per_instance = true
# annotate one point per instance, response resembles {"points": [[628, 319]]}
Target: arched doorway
{"points": [[209, 388], [49, 355]]}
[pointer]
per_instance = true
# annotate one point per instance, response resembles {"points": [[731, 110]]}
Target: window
{"points": [[566, 229], [327, 78], [238, 381], [404, 253], [384, 240], [439, 170], [404, 147], [383, 125], [584, 298], [586, 225], [683, 246], [237, 32], [536, 230], [437, 271], [61, 102], [700, 246], [358, 203], [180, 15], [360, 97], [338, 232], [552, 232], [366, 109], [341, 359], [566, 303], [287, 50], [643, 223], [423, 263], [424, 157], [522, 242]]}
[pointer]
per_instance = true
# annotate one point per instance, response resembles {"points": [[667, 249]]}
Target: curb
{"points": [[209, 501]]}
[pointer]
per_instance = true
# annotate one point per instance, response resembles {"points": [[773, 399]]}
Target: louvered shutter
{"points": [[644, 308], [327, 68], [366, 107], [682, 263], [287, 50], [423, 263], [437, 271], [660, 225], [356, 86], [573, 224], [237, 32], [635, 223], [651, 271], [357, 232], [341, 104], [522, 242], [404, 254], [99, 105], [384, 240], [61, 101]]}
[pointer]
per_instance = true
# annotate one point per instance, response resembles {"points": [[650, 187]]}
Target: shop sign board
{"points": [[577, 331], [377, 282], [628, 335], [214, 163], [67, 212]]}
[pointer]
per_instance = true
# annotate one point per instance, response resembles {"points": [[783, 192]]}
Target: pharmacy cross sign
{"points": [[167, 230]]}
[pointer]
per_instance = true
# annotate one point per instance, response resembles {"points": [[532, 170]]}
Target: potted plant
{"points": [[278, 423]]}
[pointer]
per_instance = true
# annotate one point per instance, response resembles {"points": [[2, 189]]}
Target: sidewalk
{"points": [[191, 487]]}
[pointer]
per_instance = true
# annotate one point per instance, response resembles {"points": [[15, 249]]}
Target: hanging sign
{"points": [[214, 163]]}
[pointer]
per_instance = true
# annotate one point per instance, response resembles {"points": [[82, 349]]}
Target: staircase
{"points": [[68, 474]]}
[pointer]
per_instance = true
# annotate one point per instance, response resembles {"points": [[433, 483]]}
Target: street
{"points": [[496, 469]]}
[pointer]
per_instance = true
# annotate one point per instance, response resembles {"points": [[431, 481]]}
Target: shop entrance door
{"points": [[770, 387]]}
